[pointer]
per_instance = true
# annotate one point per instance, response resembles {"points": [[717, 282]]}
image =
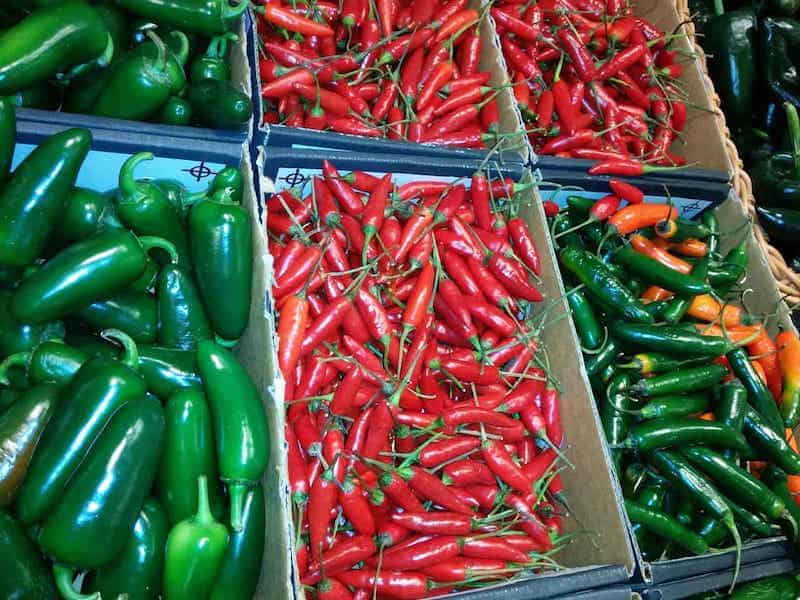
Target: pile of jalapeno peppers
{"points": [[422, 433], [405, 70], [697, 400], [132, 441], [144, 60], [593, 80]]}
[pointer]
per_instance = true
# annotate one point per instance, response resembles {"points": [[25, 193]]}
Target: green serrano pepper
{"points": [[135, 313], [97, 268], [670, 432], [589, 330], [729, 409], [666, 527], [34, 198], [777, 481], [674, 406], [645, 363], [209, 17], [240, 425], [679, 230], [758, 395], [654, 272], [50, 41], [25, 573], [752, 521], [768, 443], [615, 421], [711, 223], [8, 136], [670, 339], [595, 363], [600, 281], [96, 392], [135, 573], [735, 481], [736, 260], [680, 382], [679, 306]]}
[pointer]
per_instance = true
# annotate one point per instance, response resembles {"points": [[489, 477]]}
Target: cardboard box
{"points": [[598, 559]]}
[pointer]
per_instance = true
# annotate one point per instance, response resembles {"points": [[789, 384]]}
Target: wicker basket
{"points": [[788, 280]]}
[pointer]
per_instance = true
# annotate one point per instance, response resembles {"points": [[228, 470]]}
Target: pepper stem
{"points": [[719, 8], [203, 514], [20, 359], [181, 52], [64, 576], [130, 356], [237, 492], [793, 122], [149, 242], [128, 186], [161, 47]]}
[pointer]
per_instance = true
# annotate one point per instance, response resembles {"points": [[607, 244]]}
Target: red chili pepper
{"points": [[431, 488], [456, 24], [297, 271], [630, 193], [341, 557], [524, 244], [279, 16], [626, 168], [346, 392], [468, 472], [397, 584], [298, 478], [438, 523], [512, 24], [463, 569], [390, 533], [440, 451], [491, 316], [356, 509], [621, 61], [469, 54], [349, 200], [513, 278], [519, 60], [503, 466], [485, 494], [492, 547], [321, 502], [529, 522], [399, 492]]}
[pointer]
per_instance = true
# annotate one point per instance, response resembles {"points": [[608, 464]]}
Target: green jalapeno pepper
{"points": [[145, 209], [137, 86], [176, 111], [116, 23], [188, 454], [213, 64], [50, 41], [91, 522], [182, 320], [712, 530], [682, 381], [167, 370], [758, 395], [209, 17], [222, 251], [735, 481], [241, 566], [86, 212], [25, 573], [97, 390], [52, 361], [600, 281], [231, 180], [20, 337], [219, 104], [195, 550], [654, 272], [8, 136], [8, 396], [177, 194], [240, 425], [671, 432], [99, 267], [665, 526], [34, 198], [175, 58], [670, 339], [769, 443], [135, 313], [20, 428], [135, 573]]}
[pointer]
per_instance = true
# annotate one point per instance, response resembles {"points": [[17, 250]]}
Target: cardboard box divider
{"points": [[601, 558]]}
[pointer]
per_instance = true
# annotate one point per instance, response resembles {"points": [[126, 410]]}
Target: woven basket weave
{"points": [[788, 280]]}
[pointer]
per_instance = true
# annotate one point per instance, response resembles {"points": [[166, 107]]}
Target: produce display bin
{"points": [[600, 558], [194, 165], [716, 580], [241, 70], [491, 60]]}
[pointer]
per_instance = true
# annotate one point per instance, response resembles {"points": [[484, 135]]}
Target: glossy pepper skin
{"points": [[25, 573], [137, 86], [176, 111], [8, 136], [136, 571], [241, 566], [182, 319], [50, 41], [218, 104], [176, 57], [213, 64], [146, 210], [20, 337], [90, 523], [20, 428], [195, 551], [52, 361], [96, 268], [779, 39], [167, 370], [241, 432], [221, 241], [86, 212], [209, 17], [32, 201], [98, 389], [135, 313], [188, 454], [776, 178], [730, 40], [231, 180]]}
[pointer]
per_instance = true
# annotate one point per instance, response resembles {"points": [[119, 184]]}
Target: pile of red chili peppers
{"points": [[422, 434], [592, 80], [393, 68]]}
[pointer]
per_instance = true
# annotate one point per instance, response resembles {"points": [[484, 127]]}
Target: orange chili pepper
{"points": [[737, 335], [706, 308], [655, 294], [793, 481], [755, 467], [708, 416], [757, 366], [638, 216], [766, 350], [723, 360], [644, 246], [789, 357], [691, 247]]}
